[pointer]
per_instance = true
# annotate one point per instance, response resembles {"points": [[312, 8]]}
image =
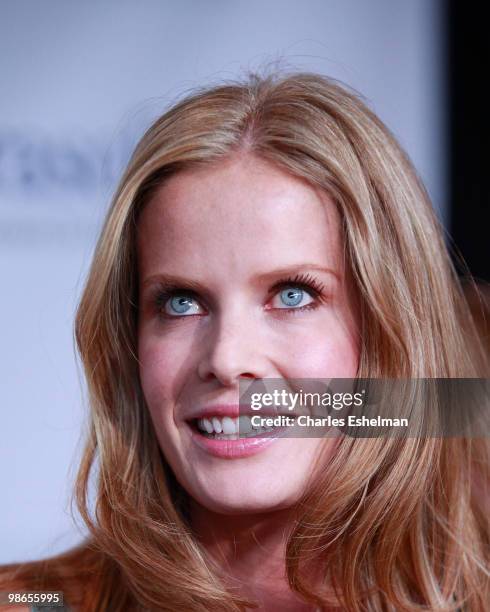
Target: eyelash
{"points": [[304, 281]]}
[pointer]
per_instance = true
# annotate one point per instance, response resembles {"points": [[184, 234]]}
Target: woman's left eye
{"points": [[293, 296]]}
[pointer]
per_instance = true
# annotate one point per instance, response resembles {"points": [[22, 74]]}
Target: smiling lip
{"points": [[231, 410], [232, 449], [220, 410]]}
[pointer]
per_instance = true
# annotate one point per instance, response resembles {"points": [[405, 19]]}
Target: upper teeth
{"points": [[226, 425]]}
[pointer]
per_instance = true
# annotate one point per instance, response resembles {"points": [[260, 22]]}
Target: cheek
{"points": [[160, 365], [325, 350], [336, 356], [158, 372]]}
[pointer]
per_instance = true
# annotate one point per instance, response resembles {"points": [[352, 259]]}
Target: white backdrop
{"points": [[79, 83]]}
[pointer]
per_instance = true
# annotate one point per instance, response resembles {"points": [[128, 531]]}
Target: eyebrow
{"points": [[171, 279], [287, 271]]}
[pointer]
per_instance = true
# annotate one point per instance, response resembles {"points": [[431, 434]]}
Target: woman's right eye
{"points": [[179, 304], [173, 302]]}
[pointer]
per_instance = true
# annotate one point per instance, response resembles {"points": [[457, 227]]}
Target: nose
{"points": [[231, 351]]}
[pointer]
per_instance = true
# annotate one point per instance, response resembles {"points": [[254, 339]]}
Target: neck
{"points": [[251, 549]]}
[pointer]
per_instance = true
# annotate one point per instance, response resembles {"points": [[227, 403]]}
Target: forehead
{"points": [[240, 211]]}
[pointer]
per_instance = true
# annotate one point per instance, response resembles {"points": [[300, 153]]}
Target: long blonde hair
{"points": [[391, 524]]}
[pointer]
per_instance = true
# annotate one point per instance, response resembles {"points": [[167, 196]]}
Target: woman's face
{"points": [[216, 247]]}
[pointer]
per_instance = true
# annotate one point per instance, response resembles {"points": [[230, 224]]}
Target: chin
{"points": [[242, 498]]}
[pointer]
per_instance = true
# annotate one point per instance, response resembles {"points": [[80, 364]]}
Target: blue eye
{"points": [[181, 305], [291, 293], [293, 296]]}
